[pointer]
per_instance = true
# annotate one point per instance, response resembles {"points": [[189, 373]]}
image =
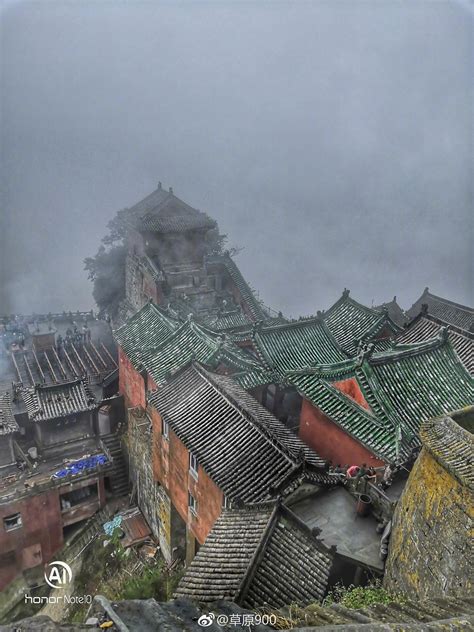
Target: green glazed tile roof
{"points": [[403, 387], [355, 420], [418, 382], [228, 320], [193, 341], [146, 329], [350, 321], [295, 345]]}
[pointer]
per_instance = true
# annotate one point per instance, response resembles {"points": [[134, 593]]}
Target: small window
{"points": [[12, 522], [193, 465], [165, 429], [192, 504]]}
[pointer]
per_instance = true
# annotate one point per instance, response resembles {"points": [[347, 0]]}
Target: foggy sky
{"points": [[331, 140]]}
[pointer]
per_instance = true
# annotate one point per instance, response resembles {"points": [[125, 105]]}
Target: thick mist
{"points": [[331, 140]]}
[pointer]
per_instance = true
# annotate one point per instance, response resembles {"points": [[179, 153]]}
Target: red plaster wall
{"points": [[131, 383], [330, 441], [41, 524], [351, 388], [171, 469]]}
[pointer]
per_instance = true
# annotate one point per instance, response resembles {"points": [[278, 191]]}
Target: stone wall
{"points": [[151, 497], [430, 551]]}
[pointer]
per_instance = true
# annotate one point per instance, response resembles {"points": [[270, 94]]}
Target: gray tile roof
{"points": [[8, 423], [254, 306], [163, 212], [258, 556], [448, 311], [425, 326], [51, 402], [243, 448]]}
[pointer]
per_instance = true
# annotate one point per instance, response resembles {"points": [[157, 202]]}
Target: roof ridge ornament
{"points": [[345, 293], [443, 334], [364, 352], [424, 309]]}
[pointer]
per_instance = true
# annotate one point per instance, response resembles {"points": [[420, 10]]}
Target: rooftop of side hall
{"points": [[78, 345]]}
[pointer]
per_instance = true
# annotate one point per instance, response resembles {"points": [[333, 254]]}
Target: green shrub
{"points": [[356, 597]]}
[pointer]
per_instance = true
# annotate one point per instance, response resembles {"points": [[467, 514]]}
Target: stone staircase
{"points": [[118, 474]]}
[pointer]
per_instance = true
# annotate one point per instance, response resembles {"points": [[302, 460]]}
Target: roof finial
{"points": [[159, 186], [345, 293], [171, 190], [424, 309]]}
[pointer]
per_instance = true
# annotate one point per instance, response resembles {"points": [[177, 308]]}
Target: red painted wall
{"points": [[351, 388], [131, 383], [41, 529], [330, 441], [171, 469], [41, 524]]}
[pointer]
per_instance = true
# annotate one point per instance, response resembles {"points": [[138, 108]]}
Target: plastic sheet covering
{"points": [[78, 467]]}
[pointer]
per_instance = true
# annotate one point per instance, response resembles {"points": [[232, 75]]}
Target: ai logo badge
{"points": [[58, 574]]}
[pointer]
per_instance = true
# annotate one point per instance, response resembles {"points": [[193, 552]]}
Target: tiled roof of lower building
{"points": [[448, 311], [192, 341], [8, 422], [258, 556], [350, 322], [425, 326], [245, 450], [361, 424], [146, 329], [51, 402], [403, 387], [409, 385], [294, 345]]}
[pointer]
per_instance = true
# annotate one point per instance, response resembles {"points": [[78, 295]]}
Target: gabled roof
{"points": [[447, 311], [258, 556], [295, 345], [7, 419], [192, 341], [356, 421], [163, 212], [50, 402], [146, 329], [350, 322], [253, 304], [228, 320], [425, 326], [403, 387], [409, 385], [394, 311], [243, 448]]}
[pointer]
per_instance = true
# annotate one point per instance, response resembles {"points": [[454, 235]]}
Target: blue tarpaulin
{"points": [[77, 467]]}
